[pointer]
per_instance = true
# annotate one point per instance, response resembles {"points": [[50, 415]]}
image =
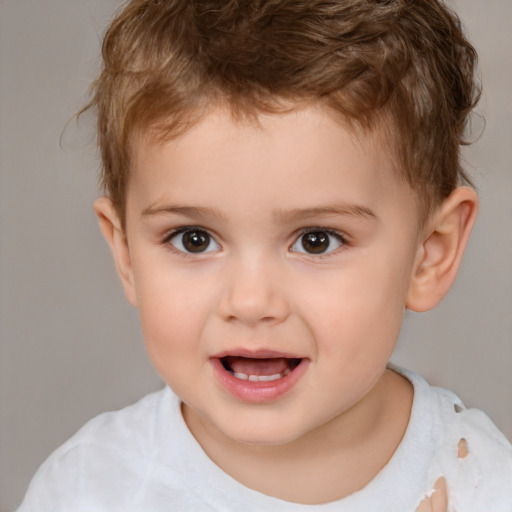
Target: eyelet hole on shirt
{"points": [[463, 449]]}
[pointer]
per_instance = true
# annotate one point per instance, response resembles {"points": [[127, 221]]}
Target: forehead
{"points": [[299, 157], [302, 129]]}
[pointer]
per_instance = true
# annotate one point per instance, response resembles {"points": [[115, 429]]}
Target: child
{"points": [[283, 181]]}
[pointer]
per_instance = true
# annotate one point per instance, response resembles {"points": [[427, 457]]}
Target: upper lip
{"points": [[256, 354]]}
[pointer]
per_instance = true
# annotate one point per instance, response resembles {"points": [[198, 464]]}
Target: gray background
{"points": [[71, 345]]}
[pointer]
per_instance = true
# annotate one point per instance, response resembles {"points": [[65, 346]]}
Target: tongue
{"points": [[247, 366]]}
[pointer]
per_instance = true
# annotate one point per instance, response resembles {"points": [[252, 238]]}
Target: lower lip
{"points": [[257, 392]]}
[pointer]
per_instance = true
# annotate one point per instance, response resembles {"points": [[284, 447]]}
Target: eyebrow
{"points": [[350, 210], [186, 211], [282, 216]]}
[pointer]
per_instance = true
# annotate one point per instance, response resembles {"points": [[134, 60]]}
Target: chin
{"points": [[259, 433]]}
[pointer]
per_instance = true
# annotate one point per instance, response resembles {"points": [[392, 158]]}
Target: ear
{"points": [[114, 234], [440, 253]]}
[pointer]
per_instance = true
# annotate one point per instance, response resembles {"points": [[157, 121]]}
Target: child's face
{"points": [[282, 252]]}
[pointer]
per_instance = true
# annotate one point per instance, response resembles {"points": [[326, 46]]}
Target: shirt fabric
{"points": [[144, 459]]}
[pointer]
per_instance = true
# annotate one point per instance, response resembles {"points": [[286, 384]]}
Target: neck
{"points": [[325, 464]]}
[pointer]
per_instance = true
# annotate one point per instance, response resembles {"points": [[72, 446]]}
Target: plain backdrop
{"points": [[70, 344]]}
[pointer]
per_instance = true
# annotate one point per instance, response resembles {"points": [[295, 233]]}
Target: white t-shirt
{"points": [[144, 459]]}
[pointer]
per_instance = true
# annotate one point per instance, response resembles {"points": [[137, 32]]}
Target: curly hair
{"points": [[400, 67]]}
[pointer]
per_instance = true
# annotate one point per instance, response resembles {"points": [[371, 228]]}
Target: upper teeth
{"points": [[261, 378]]}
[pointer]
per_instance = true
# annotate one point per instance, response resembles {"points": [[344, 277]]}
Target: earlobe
{"points": [[115, 236], [440, 253]]}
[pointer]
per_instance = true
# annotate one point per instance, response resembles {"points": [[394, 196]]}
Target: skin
{"points": [[438, 501], [254, 189]]}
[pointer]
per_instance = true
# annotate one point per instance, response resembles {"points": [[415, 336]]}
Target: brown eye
{"points": [[315, 243], [318, 242], [194, 241]]}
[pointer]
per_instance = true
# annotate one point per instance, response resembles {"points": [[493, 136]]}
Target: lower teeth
{"points": [[261, 378]]}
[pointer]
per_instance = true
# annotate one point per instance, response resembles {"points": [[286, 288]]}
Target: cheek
{"points": [[172, 336], [173, 312], [358, 310]]}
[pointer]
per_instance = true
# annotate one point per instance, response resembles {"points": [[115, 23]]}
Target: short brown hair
{"points": [[402, 65]]}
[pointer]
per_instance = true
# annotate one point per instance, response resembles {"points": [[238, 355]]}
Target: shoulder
{"points": [[105, 458], [477, 460], [127, 430], [471, 453]]}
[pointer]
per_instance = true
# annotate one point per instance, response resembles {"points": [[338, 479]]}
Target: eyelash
{"points": [[167, 240], [318, 229]]}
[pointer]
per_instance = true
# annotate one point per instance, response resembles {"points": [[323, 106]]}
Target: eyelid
{"points": [[340, 237], [172, 234]]}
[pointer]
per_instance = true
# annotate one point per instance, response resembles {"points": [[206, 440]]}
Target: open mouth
{"points": [[258, 377], [254, 369]]}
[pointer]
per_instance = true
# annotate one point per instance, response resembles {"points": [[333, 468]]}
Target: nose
{"points": [[254, 294]]}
